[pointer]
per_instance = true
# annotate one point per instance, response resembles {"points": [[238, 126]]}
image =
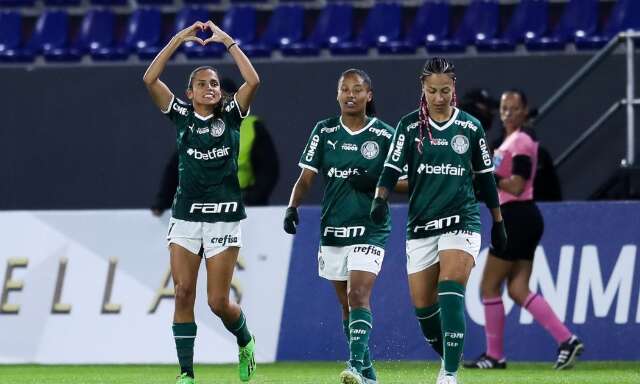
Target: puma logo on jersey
{"points": [[191, 127], [333, 144]]}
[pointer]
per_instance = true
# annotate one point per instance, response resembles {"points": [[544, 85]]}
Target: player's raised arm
{"points": [[160, 93], [246, 92]]}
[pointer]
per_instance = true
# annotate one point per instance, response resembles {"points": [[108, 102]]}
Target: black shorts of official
{"points": [[524, 224]]}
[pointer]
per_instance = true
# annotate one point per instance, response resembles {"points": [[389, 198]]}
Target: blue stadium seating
{"points": [[144, 32], [383, 24], [333, 26], [579, 21], [62, 2], [431, 23], [17, 3], [185, 18], [529, 21], [51, 37], [203, 2], [240, 22], [285, 27], [109, 2], [480, 23], [97, 36], [155, 2], [625, 15], [11, 47]]}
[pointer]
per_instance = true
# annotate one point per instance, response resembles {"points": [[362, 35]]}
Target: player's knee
{"points": [[185, 294], [219, 305], [489, 290], [358, 297], [518, 294]]}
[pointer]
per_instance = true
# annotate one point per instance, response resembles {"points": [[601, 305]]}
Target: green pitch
{"points": [[320, 373]]}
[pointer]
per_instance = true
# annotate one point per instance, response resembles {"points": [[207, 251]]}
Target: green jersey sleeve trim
{"points": [[238, 107], [302, 165], [166, 111]]}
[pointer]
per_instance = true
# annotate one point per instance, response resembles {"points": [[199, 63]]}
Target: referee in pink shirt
{"points": [[515, 164]]}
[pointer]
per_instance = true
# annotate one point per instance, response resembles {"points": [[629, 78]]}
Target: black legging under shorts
{"points": [[524, 225]]}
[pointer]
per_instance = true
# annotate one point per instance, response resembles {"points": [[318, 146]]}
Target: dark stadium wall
{"points": [[89, 137]]}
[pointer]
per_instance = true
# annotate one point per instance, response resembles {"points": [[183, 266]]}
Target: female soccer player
{"points": [[443, 147], [349, 152], [207, 208], [516, 163]]}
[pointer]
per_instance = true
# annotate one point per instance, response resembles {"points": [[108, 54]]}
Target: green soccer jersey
{"points": [[208, 188], [441, 195], [338, 153]]}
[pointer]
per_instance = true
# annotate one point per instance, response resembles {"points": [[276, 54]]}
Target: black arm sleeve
{"points": [[266, 168], [521, 166], [168, 184], [488, 189]]}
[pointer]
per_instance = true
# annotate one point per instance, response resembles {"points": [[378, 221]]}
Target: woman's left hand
{"points": [[217, 35]]}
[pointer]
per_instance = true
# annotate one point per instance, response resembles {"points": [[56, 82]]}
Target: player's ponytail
{"points": [[436, 65]]}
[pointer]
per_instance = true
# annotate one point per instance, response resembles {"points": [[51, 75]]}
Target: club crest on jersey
{"points": [[217, 128], [370, 150], [460, 144]]}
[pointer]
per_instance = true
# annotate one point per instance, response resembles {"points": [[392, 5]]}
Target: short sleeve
{"points": [[233, 114], [480, 157], [177, 110], [312, 155]]}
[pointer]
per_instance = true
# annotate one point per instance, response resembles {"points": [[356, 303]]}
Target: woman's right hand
{"points": [[189, 33]]}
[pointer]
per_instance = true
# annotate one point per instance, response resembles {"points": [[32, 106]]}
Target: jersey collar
{"points": [[203, 118], [352, 133], [448, 123]]}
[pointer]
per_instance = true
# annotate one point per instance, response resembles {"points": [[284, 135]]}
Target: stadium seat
{"points": [[144, 32], [191, 49], [11, 49], [17, 3], [387, 30], [97, 36], [285, 27], [333, 26], [204, 2], [51, 37], [240, 22], [62, 2], [109, 2], [529, 21], [578, 21], [382, 25], [625, 15], [155, 2], [480, 23], [431, 23]]}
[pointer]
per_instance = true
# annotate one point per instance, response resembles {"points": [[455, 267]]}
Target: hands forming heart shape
{"points": [[217, 34]]}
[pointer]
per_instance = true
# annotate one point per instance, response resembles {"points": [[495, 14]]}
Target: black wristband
{"points": [[231, 46]]}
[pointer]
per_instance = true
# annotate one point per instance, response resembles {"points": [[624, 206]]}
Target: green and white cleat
{"points": [[351, 376], [369, 375], [247, 360], [184, 379]]}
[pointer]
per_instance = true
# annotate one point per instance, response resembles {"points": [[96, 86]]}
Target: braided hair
{"points": [[436, 65]]}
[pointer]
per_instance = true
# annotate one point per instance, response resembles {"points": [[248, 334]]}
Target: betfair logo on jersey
{"points": [[312, 148], [180, 109], [344, 232], [342, 173], [442, 169], [212, 154], [397, 151], [222, 241], [349, 147], [380, 132], [370, 249], [329, 129], [486, 158], [466, 124], [436, 224], [225, 207]]}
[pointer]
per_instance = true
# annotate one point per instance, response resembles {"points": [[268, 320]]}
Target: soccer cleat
{"points": [[247, 360], [441, 372], [185, 379], [485, 361], [568, 353], [351, 376]]}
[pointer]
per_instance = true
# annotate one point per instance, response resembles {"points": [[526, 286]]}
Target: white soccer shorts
{"points": [[334, 263], [423, 253], [212, 238]]}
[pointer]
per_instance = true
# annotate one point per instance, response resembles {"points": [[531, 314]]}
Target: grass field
{"points": [[320, 373]]}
